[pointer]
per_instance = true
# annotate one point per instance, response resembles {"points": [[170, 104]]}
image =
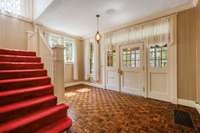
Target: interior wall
{"points": [[197, 38], [80, 55], [69, 67], [13, 32], [188, 41], [68, 76]]}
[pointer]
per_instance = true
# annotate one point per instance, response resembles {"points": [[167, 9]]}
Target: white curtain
{"points": [[17, 7], [75, 65], [160, 31], [87, 59]]}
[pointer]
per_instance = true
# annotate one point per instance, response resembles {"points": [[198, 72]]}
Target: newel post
{"points": [[58, 72]]}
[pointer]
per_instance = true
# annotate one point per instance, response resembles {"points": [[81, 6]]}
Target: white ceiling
{"points": [[78, 17]]}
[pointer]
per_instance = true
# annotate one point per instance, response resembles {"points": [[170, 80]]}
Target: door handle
{"points": [[120, 71]]}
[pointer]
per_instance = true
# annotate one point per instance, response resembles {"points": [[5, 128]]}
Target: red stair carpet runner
{"points": [[27, 103]]}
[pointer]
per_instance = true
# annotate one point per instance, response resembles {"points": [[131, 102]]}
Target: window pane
{"points": [[131, 57], [158, 56]]}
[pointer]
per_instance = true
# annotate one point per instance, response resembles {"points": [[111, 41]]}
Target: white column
{"points": [[58, 72]]}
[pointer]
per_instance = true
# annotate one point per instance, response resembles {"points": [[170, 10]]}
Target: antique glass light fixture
{"points": [[98, 35]]}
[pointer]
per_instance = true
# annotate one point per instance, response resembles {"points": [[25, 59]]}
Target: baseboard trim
{"points": [[189, 103], [94, 85], [73, 84], [198, 108], [84, 83]]}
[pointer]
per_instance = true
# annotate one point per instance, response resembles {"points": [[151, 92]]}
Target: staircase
{"points": [[27, 103]]}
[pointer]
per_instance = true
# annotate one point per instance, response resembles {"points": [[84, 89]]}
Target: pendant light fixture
{"points": [[98, 35]]}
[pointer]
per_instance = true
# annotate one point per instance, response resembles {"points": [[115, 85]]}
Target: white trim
{"points": [[189, 103], [94, 84], [73, 84], [84, 83], [198, 108], [19, 17]]}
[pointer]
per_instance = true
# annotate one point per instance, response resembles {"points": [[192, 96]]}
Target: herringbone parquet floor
{"points": [[102, 111]]}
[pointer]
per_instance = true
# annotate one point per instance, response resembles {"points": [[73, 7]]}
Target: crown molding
{"points": [[48, 29], [148, 18], [18, 17]]}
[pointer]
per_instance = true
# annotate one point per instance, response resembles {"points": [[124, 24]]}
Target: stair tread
{"points": [[57, 127], [27, 103], [13, 63], [21, 70], [18, 56], [22, 79], [24, 90], [27, 119], [17, 52]]}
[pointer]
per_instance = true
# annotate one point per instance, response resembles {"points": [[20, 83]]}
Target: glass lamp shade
{"points": [[98, 37]]}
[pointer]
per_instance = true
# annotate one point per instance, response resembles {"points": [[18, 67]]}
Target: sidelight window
{"points": [[111, 58]]}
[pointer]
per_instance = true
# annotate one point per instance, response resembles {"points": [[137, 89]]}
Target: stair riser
{"points": [[25, 96], [18, 59], [24, 84], [26, 110], [22, 53], [42, 122], [12, 75], [20, 66]]}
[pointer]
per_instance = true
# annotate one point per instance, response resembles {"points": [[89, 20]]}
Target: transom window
{"points": [[131, 57], [158, 56], [11, 6]]}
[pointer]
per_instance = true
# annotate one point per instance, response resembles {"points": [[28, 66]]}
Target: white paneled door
{"points": [[112, 69], [132, 69], [158, 87]]}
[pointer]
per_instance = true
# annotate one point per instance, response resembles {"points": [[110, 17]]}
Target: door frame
{"points": [[172, 69]]}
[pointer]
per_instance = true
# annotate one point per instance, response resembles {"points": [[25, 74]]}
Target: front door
{"points": [[132, 69], [158, 87], [112, 67]]}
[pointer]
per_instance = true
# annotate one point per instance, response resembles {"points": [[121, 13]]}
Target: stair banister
{"points": [[53, 59]]}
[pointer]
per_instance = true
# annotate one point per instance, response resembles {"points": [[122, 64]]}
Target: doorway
{"points": [[142, 70]]}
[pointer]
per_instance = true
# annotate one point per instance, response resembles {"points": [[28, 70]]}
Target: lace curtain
{"points": [[159, 31]]}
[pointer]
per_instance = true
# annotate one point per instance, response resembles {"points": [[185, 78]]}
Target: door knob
{"points": [[120, 71]]}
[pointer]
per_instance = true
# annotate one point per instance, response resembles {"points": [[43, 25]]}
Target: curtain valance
{"points": [[160, 31]]}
